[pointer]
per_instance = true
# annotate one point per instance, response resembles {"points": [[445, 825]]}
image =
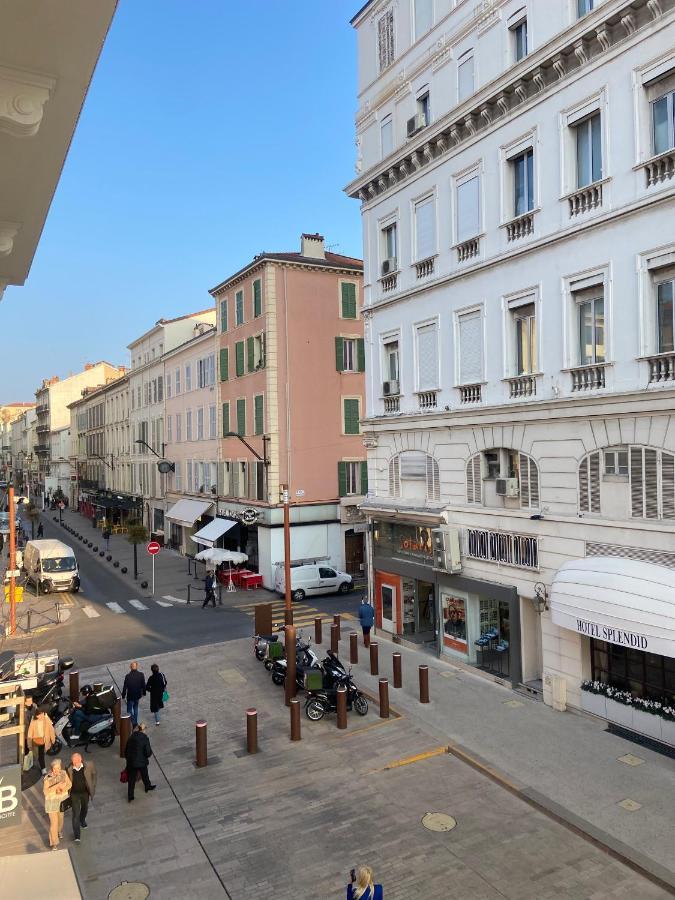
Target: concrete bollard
{"points": [[398, 675], [295, 719], [117, 712], [125, 731], [374, 661], [336, 621], [201, 757], [74, 686], [318, 636], [384, 698], [334, 639], [252, 730], [424, 684], [341, 706], [353, 648]]}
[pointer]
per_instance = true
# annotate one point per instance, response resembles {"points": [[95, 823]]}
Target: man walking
{"points": [[40, 531], [366, 618], [137, 754], [133, 689], [209, 590], [83, 779]]}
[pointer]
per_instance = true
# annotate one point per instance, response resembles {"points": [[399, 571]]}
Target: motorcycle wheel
{"points": [[268, 664], [55, 748], [106, 738], [315, 710], [260, 654], [360, 704], [277, 678]]}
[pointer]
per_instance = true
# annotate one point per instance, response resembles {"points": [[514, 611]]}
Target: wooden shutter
{"points": [[250, 354], [259, 414], [668, 485], [360, 355], [351, 416], [257, 298], [223, 315], [224, 364], [339, 354], [342, 479], [226, 418], [636, 483], [583, 485], [395, 477], [364, 477], [433, 480], [348, 300], [234, 478], [239, 358], [427, 357], [651, 484], [425, 229], [241, 416], [594, 481], [474, 482], [529, 482]]}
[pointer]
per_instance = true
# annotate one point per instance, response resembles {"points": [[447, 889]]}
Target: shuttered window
{"points": [[351, 416], [250, 354], [470, 348], [257, 298], [529, 482], [364, 477], [352, 478], [433, 479], [395, 477], [239, 358], [465, 79], [239, 308], [241, 416], [226, 418], [474, 483], [589, 484], [468, 209], [259, 414], [385, 39], [652, 483], [427, 357], [425, 229], [224, 364], [348, 298], [223, 315]]}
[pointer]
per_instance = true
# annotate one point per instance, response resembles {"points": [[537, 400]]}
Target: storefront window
{"points": [[494, 640], [454, 623], [405, 542], [408, 588], [643, 674]]}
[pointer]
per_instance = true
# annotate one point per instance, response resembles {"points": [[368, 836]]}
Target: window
{"points": [[427, 357], [423, 108], [424, 17], [468, 209], [160, 389], [188, 425], [523, 182], [389, 249], [584, 7], [200, 423], [465, 76], [492, 464], [177, 379], [474, 480], [226, 419], [258, 414], [470, 328], [386, 136], [348, 300], [168, 391], [663, 123], [528, 476], [395, 477], [242, 481], [589, 484], [239, 308], [223, 315], [652, 483], [224, 364], [258, 480], [239, 358], [352, 478], [644, 674], [259, 351], [525, 327], [519, 38], [664, 316], [188, 377], [179, 427], [391, 360], [350, 354], [351, 416], [169, 429], [425, 228], [241, 416], [385, 40], [189, 475], [213, 427], [591, 315], [616, 461], [589, 151], [257, 298], [178, 475], [205, 371]]}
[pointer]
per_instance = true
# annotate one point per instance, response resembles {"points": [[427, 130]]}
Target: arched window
{"points": [[514, 475], [411, 469], [640, 478]]}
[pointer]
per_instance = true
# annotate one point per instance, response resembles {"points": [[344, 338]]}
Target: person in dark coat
{"points": [[209, 590], [133, 689], [137, 754], [155, 686], [367, 619], [41, 530]]}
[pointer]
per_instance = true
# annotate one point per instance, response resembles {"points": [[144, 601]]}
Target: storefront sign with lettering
{"points": [[613, 635]]}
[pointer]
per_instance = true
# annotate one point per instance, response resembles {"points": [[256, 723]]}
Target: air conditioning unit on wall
{"points": [[507, 487], [417, 123], [388, 266], [446, 549], [390, 388]]}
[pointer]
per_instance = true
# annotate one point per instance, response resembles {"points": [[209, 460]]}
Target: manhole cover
{"points": [[130, 890], [438, 822]]}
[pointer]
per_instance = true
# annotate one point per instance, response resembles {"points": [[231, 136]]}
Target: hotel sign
{"points": [[613, 635]]}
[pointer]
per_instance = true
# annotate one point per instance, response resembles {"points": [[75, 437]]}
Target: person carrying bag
{"points": [[56, 789]]}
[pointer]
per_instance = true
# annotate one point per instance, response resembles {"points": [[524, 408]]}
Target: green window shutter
{"points": [[224, 374], [263, 342], [364, 477], [239, 358], [361, 355], [348, 300], [351, 416], [250, 354], [259, 424], [257, 298], [223, 315], [342, 479], [234, 479], [339, 354], [226, 418], [241, 417]]}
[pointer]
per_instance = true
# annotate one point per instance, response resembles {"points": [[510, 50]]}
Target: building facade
{"points": [[516, 167]]}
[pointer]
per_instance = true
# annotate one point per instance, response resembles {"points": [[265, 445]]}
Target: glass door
{"points": [[388, 598]]}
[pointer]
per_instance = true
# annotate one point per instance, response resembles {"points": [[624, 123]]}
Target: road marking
{"points": [[162, 603], [115, 607], [438, 751], [137, 604], [175, 599], [90, 612]]}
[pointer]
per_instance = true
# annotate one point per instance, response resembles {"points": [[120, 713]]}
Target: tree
{"points": [[33, 514], [137, 534]]}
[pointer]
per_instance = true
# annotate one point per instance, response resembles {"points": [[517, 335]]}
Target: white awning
{"points": [[211, 532], [186, 512], [623, 601]]}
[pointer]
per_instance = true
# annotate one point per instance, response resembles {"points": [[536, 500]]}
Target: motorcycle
{"points": [[300, 647], [101, 732], [305, 658], [50, 684], [262, 641], [324, 700]]}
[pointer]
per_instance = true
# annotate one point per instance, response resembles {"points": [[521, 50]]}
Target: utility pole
{"points": [[287, 556], [12, 563]]}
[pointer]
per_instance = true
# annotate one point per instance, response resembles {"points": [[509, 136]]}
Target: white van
{"points": [[320, 578], [51, 565]]}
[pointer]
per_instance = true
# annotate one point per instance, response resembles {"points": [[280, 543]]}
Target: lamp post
{"points": [[288, 608]]}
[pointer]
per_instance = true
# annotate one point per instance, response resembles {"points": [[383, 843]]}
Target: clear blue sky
{"points": [[212, 130]]}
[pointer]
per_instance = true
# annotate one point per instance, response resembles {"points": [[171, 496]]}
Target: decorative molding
{"points": [[383, 183], [580, 51], [470, 123], [539, 79], [441, 59], [486, 113], [404, 169], [455, 134], [403, 90], [427, 152], [391, 174], [654, 7], [559, 64], [442, 144], [602, 33], [8, 231], [416, 160], [503, 103], [23, 96], [520, 90], [628, 22]]}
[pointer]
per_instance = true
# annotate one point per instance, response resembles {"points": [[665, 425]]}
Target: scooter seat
{"points": [[270, 638]]}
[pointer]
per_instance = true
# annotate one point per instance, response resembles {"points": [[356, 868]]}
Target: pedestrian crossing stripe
{"points": [[115, 607], [163, 603], [90, 612], [137, 604], [175, 599]]}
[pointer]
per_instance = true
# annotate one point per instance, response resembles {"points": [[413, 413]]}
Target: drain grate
{"points": [[642, 740]]}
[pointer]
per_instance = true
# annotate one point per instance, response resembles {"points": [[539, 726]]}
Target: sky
{"points": [[212, 130]]}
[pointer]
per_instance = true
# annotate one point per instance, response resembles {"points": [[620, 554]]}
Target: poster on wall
{"points": [[454, 623], [10, 796]]}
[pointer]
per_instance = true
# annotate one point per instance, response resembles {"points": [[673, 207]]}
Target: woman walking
{"points": [[363, 888], [57, 789], [156, 687], [41, 736]]}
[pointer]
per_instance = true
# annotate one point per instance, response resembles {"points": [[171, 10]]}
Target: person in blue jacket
{"points": [[362, 886], [367, 619]]}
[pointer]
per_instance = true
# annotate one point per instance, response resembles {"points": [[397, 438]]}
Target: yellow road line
{"points": [[372, 725], [409, 760]]}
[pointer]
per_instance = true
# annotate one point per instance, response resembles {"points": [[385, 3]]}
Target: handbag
{"points": [[124, 776], [66, 804], [165, 696], [28, 761]]}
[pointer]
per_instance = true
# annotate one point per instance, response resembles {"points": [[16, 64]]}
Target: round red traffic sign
{"points": [[153, 548]]}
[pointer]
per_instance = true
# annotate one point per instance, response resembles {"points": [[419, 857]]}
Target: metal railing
{"points": [[518, 550]]}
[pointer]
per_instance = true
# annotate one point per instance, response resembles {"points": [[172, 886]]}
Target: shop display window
{"points": [[643, 674], [454, 623]]}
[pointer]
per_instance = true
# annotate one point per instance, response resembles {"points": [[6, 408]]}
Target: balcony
{"points": [[470, 393], [588, 378], [522, 386], [427, 400], [468, 249], [41, 448], [661, 368], [392, 405], [503, 548], [42, 429], [660, 168], [520, 227], [389, 282], [585, 199], [42, 409], [424, 268]]}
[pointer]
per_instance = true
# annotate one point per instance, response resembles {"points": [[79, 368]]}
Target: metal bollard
{"points": [[374, 662], [424, 684], [188, 594], [398, 676], [318, 636], [252, 730], [125, 731], [353, 647], [336, 621], [74, 685], [341, 706], [57, 606], [384, 698], [334, 639], [28, 617], [117, 712], [295, 719], [196, 578], [200, 744]]}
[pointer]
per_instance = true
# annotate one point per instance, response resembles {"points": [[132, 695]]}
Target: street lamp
{"points": [[539, 601], [164, 466]]}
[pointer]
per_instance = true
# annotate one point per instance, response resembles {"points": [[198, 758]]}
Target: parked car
{"points": [[309, 580], [51, 565]]}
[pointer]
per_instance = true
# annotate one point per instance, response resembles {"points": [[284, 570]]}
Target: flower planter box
{"points": [[668, 731], [594, 703], [620, 713], [646, 723]]}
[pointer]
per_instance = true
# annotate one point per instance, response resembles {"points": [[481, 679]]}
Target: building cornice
{"points": [[306, 263], [564, 57]]}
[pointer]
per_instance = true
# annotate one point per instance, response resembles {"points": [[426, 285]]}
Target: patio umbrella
{"points": [[216, 555]]}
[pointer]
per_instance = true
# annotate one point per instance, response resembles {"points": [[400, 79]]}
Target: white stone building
{"points": [[516, 168]]}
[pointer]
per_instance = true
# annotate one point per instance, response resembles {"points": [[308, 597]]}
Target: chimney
{"points": [[311, 245], [88, 366]]}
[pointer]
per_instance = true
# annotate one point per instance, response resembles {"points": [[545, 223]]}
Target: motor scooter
{"points": [[101, 732], [305, 658], [323, 701]]}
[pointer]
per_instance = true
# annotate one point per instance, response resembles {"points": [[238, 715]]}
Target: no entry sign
{"points": [[153, 548]]}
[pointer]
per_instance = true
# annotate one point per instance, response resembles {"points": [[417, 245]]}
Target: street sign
{"points": [[18, 593], [12, 573], [153, 548]]}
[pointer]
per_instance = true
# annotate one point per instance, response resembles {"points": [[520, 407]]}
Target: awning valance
{"points": [[186, 512], [211, 532], [623, 601]]}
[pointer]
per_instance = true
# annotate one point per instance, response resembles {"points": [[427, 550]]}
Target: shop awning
{"points": [[211, 532], [623, 601], [186, 512]]}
